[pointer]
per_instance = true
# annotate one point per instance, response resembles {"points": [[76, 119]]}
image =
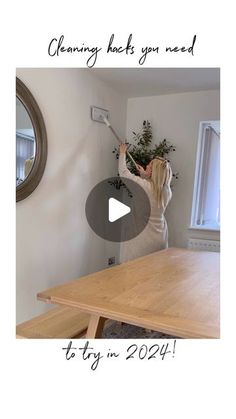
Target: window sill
{"points": [[216, 229]]}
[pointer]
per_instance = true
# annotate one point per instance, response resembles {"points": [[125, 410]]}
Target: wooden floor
{"points": [[175, 291]]}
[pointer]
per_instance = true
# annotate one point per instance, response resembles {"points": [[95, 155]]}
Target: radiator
{"points": [[207, 245]]}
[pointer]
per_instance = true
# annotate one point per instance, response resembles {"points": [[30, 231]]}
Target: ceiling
{"points": [[137, 82]]}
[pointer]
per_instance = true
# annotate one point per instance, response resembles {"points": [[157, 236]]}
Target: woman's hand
{"points": [[123, 148], [141, 170], [145, 173]]}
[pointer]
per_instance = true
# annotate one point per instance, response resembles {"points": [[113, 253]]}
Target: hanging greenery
{"points": [[142, 150]]}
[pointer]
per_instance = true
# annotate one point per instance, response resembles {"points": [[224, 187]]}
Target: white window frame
{"points": [[198, 185]]}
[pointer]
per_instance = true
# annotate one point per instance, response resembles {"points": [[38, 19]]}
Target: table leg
{"points": [[95, 326]]}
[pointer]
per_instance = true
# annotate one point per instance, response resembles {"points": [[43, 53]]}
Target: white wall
{"points": [[176, 118], [53, 240]]}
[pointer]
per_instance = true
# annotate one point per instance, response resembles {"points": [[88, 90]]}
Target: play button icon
{"points": [[117, 209]]}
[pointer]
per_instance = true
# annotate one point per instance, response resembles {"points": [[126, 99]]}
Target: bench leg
{"points": [[95, 326]]}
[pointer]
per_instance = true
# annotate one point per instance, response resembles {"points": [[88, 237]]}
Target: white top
{"points": [[154, 237]]}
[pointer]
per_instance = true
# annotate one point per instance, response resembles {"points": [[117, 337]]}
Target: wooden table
{"points": [[175, 291]]}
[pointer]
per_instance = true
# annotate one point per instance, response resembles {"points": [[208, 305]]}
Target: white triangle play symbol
{"points": [[117, 210]]}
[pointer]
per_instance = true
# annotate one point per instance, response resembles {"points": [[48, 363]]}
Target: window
{"points": [[206, 195], [25, 149]]}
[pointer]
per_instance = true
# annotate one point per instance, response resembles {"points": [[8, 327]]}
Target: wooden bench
{"points": [[58, 323]]}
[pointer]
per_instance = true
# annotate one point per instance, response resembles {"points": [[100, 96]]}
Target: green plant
{"points": [[142, 150]]}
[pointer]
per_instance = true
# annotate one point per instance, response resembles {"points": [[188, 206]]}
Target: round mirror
{"points": [[31, 142], [25, 143]]}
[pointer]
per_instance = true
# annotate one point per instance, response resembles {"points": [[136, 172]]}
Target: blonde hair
{"points": [[161, 176]]}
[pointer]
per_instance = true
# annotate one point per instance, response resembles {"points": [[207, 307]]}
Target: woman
{"points": [[155, 180]]}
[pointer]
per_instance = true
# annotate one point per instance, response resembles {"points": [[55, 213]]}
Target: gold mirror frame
{"points": [[24, 189]]}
